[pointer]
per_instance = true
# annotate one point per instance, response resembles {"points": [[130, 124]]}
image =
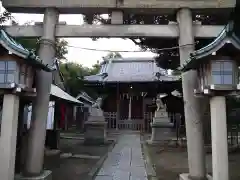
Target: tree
{"points": [[74, 73], [167, 59], [33, 43], [95, 69], [112, 55], [5, 16]]}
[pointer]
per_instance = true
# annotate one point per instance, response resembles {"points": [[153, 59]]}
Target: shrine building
{"points": [[129, 87]]}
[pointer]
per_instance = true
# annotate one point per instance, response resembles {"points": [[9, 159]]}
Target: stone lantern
{"points": [[17, 76], [218, 76]]}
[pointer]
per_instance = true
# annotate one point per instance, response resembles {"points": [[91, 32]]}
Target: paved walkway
{"points": [[125, 162]]}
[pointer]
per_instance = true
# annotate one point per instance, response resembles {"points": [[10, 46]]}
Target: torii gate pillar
{"points": [[193, 121], [33, 169]]}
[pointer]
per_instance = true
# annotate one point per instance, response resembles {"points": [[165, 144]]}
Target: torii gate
{"points": [[184, 30]]}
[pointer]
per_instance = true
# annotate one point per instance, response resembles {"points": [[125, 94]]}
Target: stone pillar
{"points": [[130, 108], [37, 132], [194, 127], [8, 138], [219, 138]]}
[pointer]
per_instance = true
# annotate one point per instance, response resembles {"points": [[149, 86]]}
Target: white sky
{"points": [[85, 57]]}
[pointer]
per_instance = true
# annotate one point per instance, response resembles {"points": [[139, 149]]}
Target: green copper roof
{"points": [[11, 45], [226, 36]]}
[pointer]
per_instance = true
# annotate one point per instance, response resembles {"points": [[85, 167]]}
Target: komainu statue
{"points": [[98, 103], [159, 103]]}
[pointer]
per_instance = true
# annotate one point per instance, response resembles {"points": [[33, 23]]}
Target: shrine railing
{"points": [[110, 117], [142, 125]]}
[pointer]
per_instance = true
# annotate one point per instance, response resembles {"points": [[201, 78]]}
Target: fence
{"points": [[128, 124], [233, 129]]}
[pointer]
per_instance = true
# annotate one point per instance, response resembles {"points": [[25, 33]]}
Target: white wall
{"points": [[50, 118]]}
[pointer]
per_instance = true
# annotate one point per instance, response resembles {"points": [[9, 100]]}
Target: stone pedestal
{"points": [[185, 176], [46, 175], [95, 128], [161, 127]]}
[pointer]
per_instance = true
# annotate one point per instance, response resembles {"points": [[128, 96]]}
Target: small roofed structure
{"points": [[18, 65], [130, 86], [217, 63]]}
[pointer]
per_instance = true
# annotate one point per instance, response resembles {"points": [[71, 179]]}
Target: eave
{"points": [[17, 49], [225, 37]]}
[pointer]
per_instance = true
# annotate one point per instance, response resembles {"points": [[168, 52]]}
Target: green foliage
{"points": [[5, 16], [167, 59], [32, 44], [111, 55], [74, 73], [61, 48]]}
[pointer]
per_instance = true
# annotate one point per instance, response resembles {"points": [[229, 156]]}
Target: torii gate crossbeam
{"points": [[72, 31]]}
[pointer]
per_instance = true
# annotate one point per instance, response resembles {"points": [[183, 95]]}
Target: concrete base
{"points": [[95, 133], [185, 176], [46, 175]]}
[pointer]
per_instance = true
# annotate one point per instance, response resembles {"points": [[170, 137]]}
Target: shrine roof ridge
{"points": [[227, 36], [128, 59], [17, 49]]}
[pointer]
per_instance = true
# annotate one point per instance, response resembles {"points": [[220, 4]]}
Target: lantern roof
{"points": [[17, 49], [227, 36]]}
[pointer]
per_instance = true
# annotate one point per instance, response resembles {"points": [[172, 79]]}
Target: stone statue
{"points": [[96, 108], [98, 103], [161, 124], [95, 126], [159, 103]]}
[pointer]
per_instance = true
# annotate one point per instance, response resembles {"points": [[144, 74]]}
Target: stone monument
{"points": [[95, 126], [161, 125]]}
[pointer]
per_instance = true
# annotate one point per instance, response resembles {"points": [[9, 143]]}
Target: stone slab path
{"points": [[125, 162]]}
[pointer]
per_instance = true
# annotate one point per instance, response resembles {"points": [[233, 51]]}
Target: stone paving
{"points": [[125, 162]]}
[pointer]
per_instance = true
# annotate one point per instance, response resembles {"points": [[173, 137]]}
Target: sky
{"points": [[85, 57]]}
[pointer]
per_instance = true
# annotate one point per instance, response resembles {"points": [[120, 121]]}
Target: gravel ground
{"points": [[74, 168], [169, 162]]}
